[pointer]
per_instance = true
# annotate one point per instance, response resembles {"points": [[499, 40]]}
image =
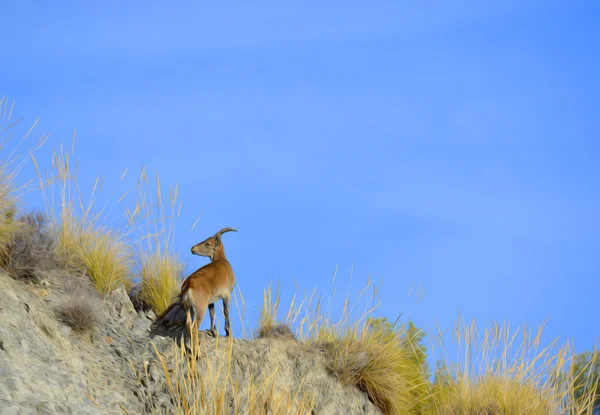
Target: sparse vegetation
{"points": [[82, 242], [159, 268], [80, 311], [9, 227], [202, 382], [103, 256], [499, 375], [585, 372], [495, 396], [89, 260], [409, 339], [33, 252], [160, 281], [374, 363], [282, 331]]}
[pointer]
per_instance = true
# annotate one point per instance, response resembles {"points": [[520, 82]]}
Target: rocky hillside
{"points": [[47, 367]]}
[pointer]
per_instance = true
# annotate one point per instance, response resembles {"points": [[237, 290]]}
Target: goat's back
{"points": [[215, 279]]}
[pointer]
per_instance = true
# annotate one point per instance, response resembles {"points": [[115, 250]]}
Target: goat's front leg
{"points": [[226, 314]]}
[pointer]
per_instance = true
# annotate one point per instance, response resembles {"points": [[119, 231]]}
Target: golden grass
{"points": [[83, 243], [159, 269], [498, 396], [106, 259], [158, 285], [504, 371], [583, 377], [499, 370], [9, 227], [201, 382], [268, 313], [9, 168], [495, 374], [105, 254], [374, 361], [377, 365]]}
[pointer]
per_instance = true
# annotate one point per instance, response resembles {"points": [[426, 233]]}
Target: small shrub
{"points": [[33, 254], [275, 331], [81, 285], [79, 310]]}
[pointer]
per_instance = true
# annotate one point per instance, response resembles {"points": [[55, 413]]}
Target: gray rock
{"points": [[65, 330], [47, 369], [10, 410]]}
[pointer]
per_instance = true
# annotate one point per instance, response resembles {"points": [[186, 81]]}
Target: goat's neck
{"points": [[219, 255]]}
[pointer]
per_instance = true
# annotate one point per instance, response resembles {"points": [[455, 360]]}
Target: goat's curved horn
{"points": [[222, 231]]}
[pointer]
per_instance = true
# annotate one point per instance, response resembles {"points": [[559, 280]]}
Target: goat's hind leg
{"points": [[190, 322], [211, 311]]}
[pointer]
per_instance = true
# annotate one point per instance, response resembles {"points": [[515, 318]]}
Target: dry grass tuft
{"points": [[79, 285], [494, 375], [10, 229], [105, 258], [201, 381], [375, 361], [160, 281], [280, 331], [33, 253], [82, 242], [160, 270], [377, 365], [497, 372], [268, 325], [80, 310], [494, 396]]}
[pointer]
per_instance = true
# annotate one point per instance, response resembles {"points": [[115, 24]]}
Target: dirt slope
{"points": [[47, 368]]}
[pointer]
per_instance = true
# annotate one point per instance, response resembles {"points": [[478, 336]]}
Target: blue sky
{"points": [[452, 146]]}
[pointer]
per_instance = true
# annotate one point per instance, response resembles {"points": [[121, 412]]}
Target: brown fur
{"points": [[205, 286]]}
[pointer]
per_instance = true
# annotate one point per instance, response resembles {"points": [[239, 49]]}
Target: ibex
{"points": [[203, 287]]}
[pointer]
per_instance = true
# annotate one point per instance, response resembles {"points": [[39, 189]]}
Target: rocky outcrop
{"points": [[46, 367]]}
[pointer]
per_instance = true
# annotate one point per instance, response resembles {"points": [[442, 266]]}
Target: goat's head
{"points": [[211, 246]]}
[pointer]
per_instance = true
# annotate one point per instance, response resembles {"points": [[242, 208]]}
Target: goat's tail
{"points": [[172, 321]]}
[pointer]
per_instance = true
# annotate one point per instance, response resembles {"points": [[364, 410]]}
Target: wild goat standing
{"points": [[202, 288]]}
